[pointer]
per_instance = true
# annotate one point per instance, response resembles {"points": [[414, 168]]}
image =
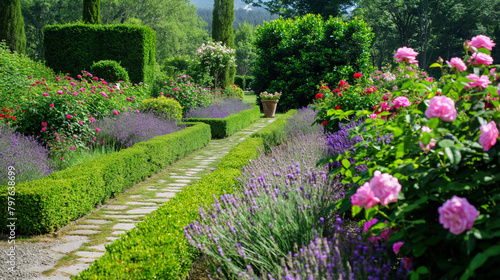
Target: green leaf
{"points": [[356, 210], [446, 143], [453, 155], [476, 262], [400, 150], [484, 50], [433, 123], [346, 163], [435, 65], [422, 270]]}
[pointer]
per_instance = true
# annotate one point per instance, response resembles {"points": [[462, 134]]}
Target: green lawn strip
{"points": [[156, 248], [273, 134], [222, 128], [52, 202]]}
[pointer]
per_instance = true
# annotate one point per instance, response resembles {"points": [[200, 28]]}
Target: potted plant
{"points": [[269, 103]]}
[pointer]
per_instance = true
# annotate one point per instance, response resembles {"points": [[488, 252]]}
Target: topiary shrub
{"points": [[168, 107], [234, 92], [240, 81], [109, 70]]}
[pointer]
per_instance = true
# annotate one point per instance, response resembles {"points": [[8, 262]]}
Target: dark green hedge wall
{"points": [[71, 48]]}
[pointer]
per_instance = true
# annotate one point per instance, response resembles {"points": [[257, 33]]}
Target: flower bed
{"points": [[52, 202]]}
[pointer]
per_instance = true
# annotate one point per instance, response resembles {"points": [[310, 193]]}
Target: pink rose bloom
{"points": [[72, 148], [489, 135], [44, 124], [441, 107], [92, 119], [44, 128], [385, 187], [481, 41], [60, 92], [62, 158], [55, 133], [364, 196], [480, 82], [384, 105], [457, 214], [98, 129], [80, 122], [396, 247], [68, 117], [384, 236], [480, 58], [457, 64], [373, 116], [369, 224], [51, 105], [45, 94], [431, 144], [115, 112], [405, 54], [386, 96], [73, 84], [137, 111], [401, 101]]}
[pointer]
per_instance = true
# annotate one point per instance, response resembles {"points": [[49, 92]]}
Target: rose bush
{"points": [[444, 154]]}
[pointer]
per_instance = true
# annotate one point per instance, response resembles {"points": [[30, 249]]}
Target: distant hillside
{"points": [[209, 4], [254, 16]]}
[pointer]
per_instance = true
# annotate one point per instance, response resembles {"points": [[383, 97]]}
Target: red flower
{"points": [[338, 107], [319, 95], [357, 75], [324, 87], [51, 105], [343, 84], [336, 90], [324, 123]]}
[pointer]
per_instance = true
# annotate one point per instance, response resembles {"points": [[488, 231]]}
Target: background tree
{"points": [[292, 8], [92, 11], [222, 31], [12, 25], [245, 50]]}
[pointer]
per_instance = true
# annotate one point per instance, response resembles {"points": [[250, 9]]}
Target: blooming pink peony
{"points": [[481, 41], [457, 64], [480, 58], [441, 107], [479, 82], [385, 187], [405, 54], [401, 101], [457, 214], [489, 135], [80, 122], [396, 247], [364, 196]]}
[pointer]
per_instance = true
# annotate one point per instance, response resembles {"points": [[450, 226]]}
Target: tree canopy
{"points": [[292, 8]]}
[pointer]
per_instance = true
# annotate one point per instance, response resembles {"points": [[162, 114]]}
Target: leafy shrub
{"points": [[177, 65], [213, 59], [28, 157], [232, 91], [218, 110], [274, 133], [169, 108], [109, 70], [240, 81], [189, 94], [294, 55], [127, 129]]}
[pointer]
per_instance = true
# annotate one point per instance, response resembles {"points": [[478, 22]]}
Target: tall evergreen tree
{"points": [[12, 25], [222, 31], [92, 11]]}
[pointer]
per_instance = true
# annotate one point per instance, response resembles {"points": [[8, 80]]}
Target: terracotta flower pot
{"points": [[269, 107]]}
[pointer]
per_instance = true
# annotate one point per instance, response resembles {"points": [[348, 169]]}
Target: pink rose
{"points": [[51, 105], [44, 124], [373, 116], [457, 214], [401, 101], [92, 119], [369, 224], [396, 247], [44, 128], [405, 54], [364, 196], [384, 236], [480, 58], [431, 144], [98, 129], [441, 107], [385, 187], [481, 41], [115, 112], [480, 82], [457, 64], [45, 94], [387, 96], [72, 148], [68, 117], [80, 122], [489, 135]]}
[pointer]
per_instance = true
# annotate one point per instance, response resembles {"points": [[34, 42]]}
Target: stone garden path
{"points": [[74, 247]]}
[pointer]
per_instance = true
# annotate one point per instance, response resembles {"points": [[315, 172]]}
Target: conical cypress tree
{"points": [[12, 25], [92, 11], [222, 31]]}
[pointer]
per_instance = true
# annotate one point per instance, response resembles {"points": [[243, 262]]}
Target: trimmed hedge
{"points": [[156, 248], [71, 48], [243, 81], [222, 128], [273, 134], [52, 202]]}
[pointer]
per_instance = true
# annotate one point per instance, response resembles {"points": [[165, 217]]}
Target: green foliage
{"points": [[92, 11], [213, 59], [167, 107], [72, 48], [245, 50], [240, 81], [18, 72], [176, 66], [222, 128], [293, 56], [109, 70], [12, 25], [274, 133], [233, 91], [160, 238], [222, 31], [52, 202], [292, 8], [184, 90]]}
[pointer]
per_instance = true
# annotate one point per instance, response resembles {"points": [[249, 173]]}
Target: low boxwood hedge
{"points": [[156, 248], [47, 204], [222, 128], [273, 134]]}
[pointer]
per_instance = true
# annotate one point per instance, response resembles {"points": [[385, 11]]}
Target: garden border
{"points": [[44, 205]]}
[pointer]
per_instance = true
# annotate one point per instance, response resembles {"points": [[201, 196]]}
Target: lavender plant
{"points": [[302, 122], [282, 205], [28, 157], [126, 129], [218, 110]]}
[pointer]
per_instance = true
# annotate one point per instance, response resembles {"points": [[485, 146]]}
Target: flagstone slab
{"points": [[84, 231], [160, 200], [123, 216], [73, 242], [142, 210], [166, 194], [100, 247], [185, 177], [118, 232], [88, 226], [115, 207], [139, 203], [124, 226], [99, 222], [74, 269], [181, 184], [91, 255]]}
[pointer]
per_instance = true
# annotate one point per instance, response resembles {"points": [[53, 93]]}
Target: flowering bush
{"points": [[434, 186], [219, 110], [213, 58], [189, 94], [233, 91]]}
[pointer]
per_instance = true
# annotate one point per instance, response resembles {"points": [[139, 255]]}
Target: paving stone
{"points": [[124, 226], [115, 207], [127, 220], [112, 238], [88, 226], [99, 222], [74, 269], [73, 242], [111, 212], [153, 190], [85, 260], [135, 196], [196, 169], [91, 255], [162, 181], [207, 160], [166, 194], [185, 177], [117, 232], [139, 203], [172, 189], [123, 216], [142, 210], [84, 231], [181, 184], [100, 247], [160, 200]]}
